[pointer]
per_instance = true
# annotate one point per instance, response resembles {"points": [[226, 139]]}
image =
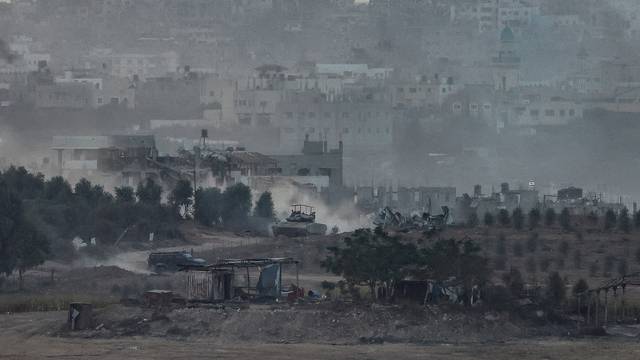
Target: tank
{"points": [[301, 222]]}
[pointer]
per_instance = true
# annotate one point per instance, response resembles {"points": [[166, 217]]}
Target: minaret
{"points": [[506, 66]]}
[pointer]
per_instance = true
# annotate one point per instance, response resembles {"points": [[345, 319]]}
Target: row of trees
{"points": [[231, 208], [377, 260], [534, 218]]}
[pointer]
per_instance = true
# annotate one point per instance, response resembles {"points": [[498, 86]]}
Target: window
{"points": [[100, 100], [263, 103], [549, 112], [534, 112], [412, 90], [345, 130], [289, 115], [312, 115], [211, 93], [572, 112], [345, 115], [563, 112], [457, 107]]}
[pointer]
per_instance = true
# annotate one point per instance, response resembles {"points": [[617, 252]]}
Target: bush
{"points": [[560, 263], [503, 217], [534, 218], [580, 287], [563, 248], [622, 267], [518, 219], [473, 220], [609, 262], [592, 218], [501, 245], [550, 217], [517, 249], [624, 223], [236, 205], [513, 281], [556, 291], [609, 219], [638, 255], [488, 219], [565, 219], [532, 243]]}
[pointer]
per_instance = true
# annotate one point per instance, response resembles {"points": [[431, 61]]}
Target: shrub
{"points": [[503, 217], [518, 219], [513, 281], [609, 219], [565, 219], [622, 267], [624, 223], [580, 287], [532, 243], [534, 218], [556, 291], [563, 248], [550, 217], [517, 249], [609, 261], [501, 245], [488, 219], [473, 220]]}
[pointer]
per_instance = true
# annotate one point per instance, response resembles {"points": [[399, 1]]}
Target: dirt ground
{"points": [[309, 331], [21, 337]]}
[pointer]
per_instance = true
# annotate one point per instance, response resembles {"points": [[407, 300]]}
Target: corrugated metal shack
{"points": [[233, 278]]}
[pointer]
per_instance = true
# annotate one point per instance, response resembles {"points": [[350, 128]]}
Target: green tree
{"points": [[501, 245], [21, 245], [518, 219], [125, 194], [23, 183], [636, 219], [624, 223], [609, 219], [514, 282], [503, 217], [236, 205], [180, 197], [371, 258], [207, 206], [264, 207], [149, 193], [473, 220], [458, 259], [57, 189], [565, 219], [556, 290], [580, 288], [488, 219], [534, 218], [550, 217]]}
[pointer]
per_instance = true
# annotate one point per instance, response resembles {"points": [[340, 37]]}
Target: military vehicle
{"points": [[160, 262], [301, 222]]}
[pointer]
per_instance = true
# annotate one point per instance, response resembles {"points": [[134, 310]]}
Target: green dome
{"points": [[507, 35]]}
